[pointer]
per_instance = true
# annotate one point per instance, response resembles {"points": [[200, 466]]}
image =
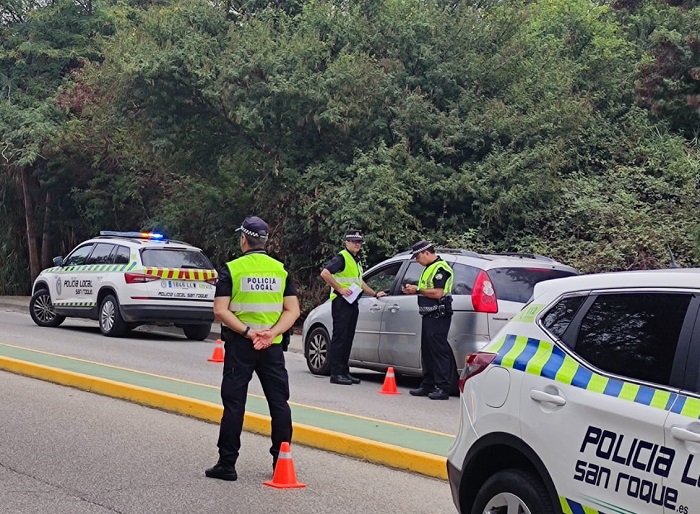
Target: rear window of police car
{"points": [[175, 258]]}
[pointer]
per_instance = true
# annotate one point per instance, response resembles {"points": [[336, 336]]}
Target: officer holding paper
{"points": [[343, 274]]}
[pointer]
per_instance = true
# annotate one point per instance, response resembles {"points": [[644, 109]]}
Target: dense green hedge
{"points": [[558, 127]]}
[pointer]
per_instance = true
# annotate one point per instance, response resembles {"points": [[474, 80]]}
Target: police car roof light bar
{"points": [[139, 235]]}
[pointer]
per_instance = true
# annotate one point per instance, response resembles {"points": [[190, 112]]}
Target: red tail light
{"points": [[483, 294], [139, 278], [212, 281], [474, 364]]}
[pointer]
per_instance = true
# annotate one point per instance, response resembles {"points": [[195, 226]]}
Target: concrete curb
{"points": [[372, 451]]}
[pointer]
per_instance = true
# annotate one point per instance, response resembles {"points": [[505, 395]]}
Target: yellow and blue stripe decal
{"points": [[572, 507], [547, 360]]}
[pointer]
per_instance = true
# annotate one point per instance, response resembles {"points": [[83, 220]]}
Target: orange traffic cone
{"points": [[389, 386], [218, 355], [284, 476]]}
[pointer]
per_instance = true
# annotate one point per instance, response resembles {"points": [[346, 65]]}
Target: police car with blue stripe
{"points": [[127, 279], [587, 401]]}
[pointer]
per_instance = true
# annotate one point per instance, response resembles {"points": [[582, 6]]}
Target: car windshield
{"points": [[516, 284], [175, 258]]}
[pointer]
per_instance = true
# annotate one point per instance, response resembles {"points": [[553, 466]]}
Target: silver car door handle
{"points": [[393, 308], [541, 396], [685, 435], [375, 308]]}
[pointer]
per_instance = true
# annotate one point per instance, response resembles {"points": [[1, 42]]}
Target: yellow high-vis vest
{"points": [[351, 273], [258, 290], [426, 278]]}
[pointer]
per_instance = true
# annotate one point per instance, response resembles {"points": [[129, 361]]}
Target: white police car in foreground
{"points": [[127, 279], [586, 402]]}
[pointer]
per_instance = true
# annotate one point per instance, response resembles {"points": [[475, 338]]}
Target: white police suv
{"points": [[127, 279], [587, 401]]}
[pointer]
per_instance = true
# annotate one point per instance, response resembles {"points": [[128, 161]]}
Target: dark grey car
{"points": [[488, 290]]}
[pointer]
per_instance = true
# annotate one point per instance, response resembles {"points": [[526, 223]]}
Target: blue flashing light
{"points": [[154, 236]]}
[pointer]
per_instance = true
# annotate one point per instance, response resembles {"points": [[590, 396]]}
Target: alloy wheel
{"points": [[318, 350], [506, 503], [107, 315], [43, 309]]}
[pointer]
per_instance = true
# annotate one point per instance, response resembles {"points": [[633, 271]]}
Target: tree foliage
{"points": [[561, 127]]}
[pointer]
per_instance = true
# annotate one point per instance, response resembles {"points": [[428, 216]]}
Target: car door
{"points": [[399, 345], [365, 346], [609, 397], [682, 429], [97, 264], [69, 276]]}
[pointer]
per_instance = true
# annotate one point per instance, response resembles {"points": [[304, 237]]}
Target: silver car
{"points": [[488, 290]]}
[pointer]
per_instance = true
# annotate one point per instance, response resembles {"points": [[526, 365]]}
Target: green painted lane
{"points": [[375, 430]]}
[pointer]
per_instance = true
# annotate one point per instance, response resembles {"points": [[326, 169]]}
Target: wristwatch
{"points": [[245, 332], [417, 290]]}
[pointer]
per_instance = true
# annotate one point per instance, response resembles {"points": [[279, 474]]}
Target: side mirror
{"points": [[58, 261]]}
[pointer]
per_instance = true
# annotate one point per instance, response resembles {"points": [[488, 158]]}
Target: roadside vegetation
{"points": [[567, 128]]}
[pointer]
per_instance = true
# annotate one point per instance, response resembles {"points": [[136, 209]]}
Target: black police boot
{"points": [[439, 394], [421, 391], [222, 472], [340, 379], [354, 380]]}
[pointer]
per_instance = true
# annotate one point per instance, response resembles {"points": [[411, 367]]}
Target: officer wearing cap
{"points": [[435, 306], [343, 274], [256, 302]]}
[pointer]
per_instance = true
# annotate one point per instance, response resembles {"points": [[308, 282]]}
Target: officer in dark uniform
{"points": [[256, 303], [343, 274], [435, 306]]}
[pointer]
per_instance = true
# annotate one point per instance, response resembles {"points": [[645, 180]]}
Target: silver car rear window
{"points": [[516, 284]]}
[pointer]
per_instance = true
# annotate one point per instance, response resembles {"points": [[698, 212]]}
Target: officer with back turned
{"points": [[256, 303]]}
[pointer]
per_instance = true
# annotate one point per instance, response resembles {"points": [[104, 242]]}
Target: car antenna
{"points": [[673, 263]]}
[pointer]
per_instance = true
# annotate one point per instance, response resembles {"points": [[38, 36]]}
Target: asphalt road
{"points": [[175, 356], [64, 451]]}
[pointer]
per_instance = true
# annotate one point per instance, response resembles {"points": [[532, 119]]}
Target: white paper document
{"points": [[356, 290]]}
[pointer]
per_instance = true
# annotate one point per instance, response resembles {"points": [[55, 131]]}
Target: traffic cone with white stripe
{"points": [[284, 476], [218, 355], [389, 386]]}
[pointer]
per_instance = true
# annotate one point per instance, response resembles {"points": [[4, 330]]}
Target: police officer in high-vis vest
{"points": [[256, 303], [343, 274], [435, 306]]}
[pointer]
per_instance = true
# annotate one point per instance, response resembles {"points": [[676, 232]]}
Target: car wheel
{"points": [[513, 491], [197, 332], [316, 351], [111, 322], [41, 310]]}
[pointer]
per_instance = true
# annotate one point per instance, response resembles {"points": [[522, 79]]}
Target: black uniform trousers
{"points": [[436, 352], [240, 361], [344, 322]]}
